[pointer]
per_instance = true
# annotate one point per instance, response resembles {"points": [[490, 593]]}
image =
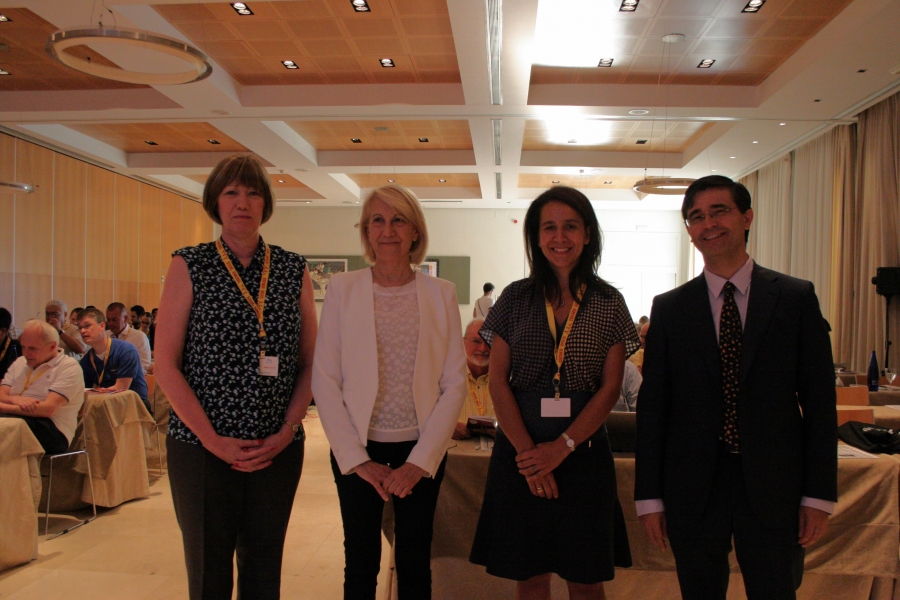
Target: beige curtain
{"points": [[770, 233], [876, 234]]}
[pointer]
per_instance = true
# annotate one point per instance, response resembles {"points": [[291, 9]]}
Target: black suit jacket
{"points": [[787, 417]]}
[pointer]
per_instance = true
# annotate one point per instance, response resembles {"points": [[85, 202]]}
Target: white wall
{"points": [[644, 251]]}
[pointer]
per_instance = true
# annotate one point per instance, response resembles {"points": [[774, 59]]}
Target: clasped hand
{"points": [[252, 455], [385, 480], [537, 466], [25, 404]]}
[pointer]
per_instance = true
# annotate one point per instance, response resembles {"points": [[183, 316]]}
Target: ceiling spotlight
{"points": [[289, 64], [387, 62], [392, 181], [356, 140], [607, 183], [4, 72], [214, 142], [281, 181], [706, 63], [241, 9], [755, 141], [628, 6], [572, 141], [423, 140], [782, 124], [641, 142], [861, 70], [605, 62], [150, 143], [555, 181], [4, 19], [360, 5], [753, 6], [732, 157], [639, 111], [442, 180]]}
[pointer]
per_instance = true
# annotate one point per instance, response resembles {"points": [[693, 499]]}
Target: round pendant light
{"points": [[663, 186], [67, 38]]}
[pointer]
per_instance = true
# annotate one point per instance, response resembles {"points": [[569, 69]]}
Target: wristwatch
{"points": [[569, 442], [294, 426]]}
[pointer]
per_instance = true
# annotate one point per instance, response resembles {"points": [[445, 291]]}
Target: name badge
{"points": [[268, 366], [556, 407]]}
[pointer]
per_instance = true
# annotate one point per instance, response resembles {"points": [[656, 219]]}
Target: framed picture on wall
{"points": [[321, 270], [429, 267]]}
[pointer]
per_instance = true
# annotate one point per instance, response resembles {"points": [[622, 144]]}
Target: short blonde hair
{"points": [[405, 204], [245, 170]]}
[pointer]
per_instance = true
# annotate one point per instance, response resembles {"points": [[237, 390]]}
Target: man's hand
{"points": [[403, 479], [461, 432], [813, 523], [655, 527], [26, 405]]}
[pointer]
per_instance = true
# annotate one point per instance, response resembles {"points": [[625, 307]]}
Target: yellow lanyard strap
{"points": [[5, 347], [28, 380], [479, 404], [259, 305], [105, 362], [560, 353]]}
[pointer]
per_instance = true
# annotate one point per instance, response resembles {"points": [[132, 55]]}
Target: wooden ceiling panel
{"points": [[772, 47], [757, 64], [385, 135], [169, 137], [735, 28], [794, 28], [742, 78], [278, 181], [622, 136], [815, 8], [585, 181], [690, 8], [376, 180], [345, 46]]}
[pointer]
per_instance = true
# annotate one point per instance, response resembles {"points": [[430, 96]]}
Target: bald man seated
{"points": [[43, 387]]}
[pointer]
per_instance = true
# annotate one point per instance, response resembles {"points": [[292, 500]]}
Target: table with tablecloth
{"points": [[856, 559], [116, 430], [20, 491]]}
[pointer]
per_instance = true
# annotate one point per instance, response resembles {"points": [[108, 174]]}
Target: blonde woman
{"points": [[389, 378]]}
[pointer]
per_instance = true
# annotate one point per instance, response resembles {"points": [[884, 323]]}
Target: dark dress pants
{"points": [[51, 439], [771, 560], [361, 509], [222, 511]]}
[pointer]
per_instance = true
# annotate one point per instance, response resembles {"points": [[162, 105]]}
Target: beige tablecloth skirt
{"points": [[20, 490]]}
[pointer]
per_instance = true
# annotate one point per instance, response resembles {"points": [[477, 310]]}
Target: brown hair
{"points": [[245, 170]]}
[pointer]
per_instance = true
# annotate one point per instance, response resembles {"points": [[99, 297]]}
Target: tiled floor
{"points": [[134, 552]]}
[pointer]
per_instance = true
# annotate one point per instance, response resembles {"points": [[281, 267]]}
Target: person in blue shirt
{"points": [[110, 365]]}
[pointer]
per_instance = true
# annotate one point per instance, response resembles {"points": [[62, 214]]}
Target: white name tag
{"points": [[268, 366], [556, 407]]}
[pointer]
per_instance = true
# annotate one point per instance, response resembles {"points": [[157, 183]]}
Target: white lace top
{"points": [[397, 336]]}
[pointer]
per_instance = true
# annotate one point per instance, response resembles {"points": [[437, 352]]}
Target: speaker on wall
{"points": [[887, 281]]}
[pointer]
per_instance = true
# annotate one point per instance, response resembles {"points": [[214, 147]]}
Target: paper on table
{"points": [[846, 451], [894, 406], [485, 443]]}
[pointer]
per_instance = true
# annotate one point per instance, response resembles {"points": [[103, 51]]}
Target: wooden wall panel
{"points": [[149, 275], [127, 241], [196, 226], [33, 231], [7, 224], [170, 236], [100, 238], [69, 198]]}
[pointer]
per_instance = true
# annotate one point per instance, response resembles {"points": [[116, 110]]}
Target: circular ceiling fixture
{"points": [[639, 111], [66, 38], [663, 186], [17, 187]]}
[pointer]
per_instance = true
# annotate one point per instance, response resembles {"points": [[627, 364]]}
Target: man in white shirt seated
{"points": [[631, 385], [57, 314], [44, 387], [478, 396], [117, 327]]}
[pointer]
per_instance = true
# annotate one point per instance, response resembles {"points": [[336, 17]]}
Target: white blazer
{"points": [[345, 368]]}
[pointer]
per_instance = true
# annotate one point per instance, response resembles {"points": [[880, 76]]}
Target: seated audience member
{"points": [[631, 385], [478, 396], [9, 348], [111, 365], [152, 335], [117, 327], [483, 305], [137, 311], [638, 357], [57, 315], [145, 326], [44, 387], [75, 317]]}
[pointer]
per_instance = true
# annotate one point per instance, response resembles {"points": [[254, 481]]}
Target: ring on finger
{"points": [[534, 469]]}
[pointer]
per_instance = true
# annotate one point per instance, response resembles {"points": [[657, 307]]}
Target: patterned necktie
{"points": [[730, 354]]}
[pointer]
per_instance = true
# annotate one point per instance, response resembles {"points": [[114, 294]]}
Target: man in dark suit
{"points": [[736, 419]]}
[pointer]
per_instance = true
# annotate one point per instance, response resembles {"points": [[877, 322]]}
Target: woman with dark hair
{"points": [[234, 352], [558, 340]]}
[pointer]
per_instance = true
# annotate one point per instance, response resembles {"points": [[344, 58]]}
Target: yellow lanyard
{"points": [[560, 353], [479, 403], [259, 305], [28, 380], [105, 362], [127, 332], [5, 347]]}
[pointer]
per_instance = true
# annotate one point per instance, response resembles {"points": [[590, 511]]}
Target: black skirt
{"points": [[580, 536]]}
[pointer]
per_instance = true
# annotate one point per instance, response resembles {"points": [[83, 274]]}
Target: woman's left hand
{"points": [[540, 461], [271, 447], [402, 480]]}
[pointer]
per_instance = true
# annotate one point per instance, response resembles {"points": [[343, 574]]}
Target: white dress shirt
{"points": [[139, 340]]}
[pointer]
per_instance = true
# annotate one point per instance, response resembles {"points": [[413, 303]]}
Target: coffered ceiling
{"points": [[340, 123]]}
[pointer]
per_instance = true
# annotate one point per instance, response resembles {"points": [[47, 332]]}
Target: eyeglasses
{"points": [[716, 213], [51, 315]]}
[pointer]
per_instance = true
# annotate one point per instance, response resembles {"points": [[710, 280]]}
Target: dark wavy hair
{"points": [[585, 272]]}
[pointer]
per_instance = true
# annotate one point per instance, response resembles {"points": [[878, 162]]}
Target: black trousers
{"points": [[361, 509], [52, 439], [222, 511], [771, 560]]}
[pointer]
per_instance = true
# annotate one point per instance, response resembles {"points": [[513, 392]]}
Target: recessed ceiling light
{"points": [[4, 19], [713, 170], [555, 181], [356, 140], [641, 142], [753, 6], [572, 141], [360, 5], [861, 70], [4, 72], [782, 124], [442, 180], [706, 63], [214, 142], [607, 183], [755, 141], [605, 62], [817, 100], [281, 181], [241, 9], [392, 181], [150, 143], [639, 111], [387, 62], [628, 6], [423, 140], [289, 64], [732, 157]]}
